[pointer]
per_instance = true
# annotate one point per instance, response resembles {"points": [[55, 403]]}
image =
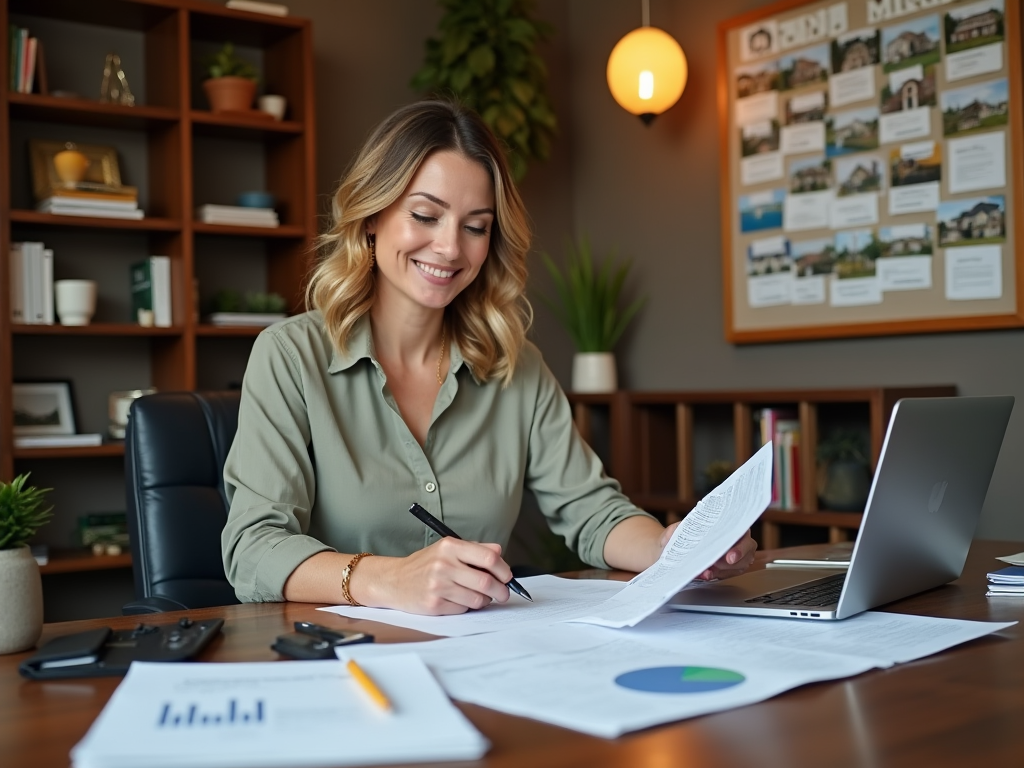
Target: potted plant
{"points": [[231, 81], [844, 476], [21, 588], [588, 307], [485, 54]]}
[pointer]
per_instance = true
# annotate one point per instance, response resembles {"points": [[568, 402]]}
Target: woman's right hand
{"points": [[448, 577]]}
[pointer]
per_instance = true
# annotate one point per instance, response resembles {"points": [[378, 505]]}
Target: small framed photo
{"points": [[43, 408], [102, 173]]}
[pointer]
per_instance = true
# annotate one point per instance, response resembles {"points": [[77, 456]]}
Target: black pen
{"points": [[443, 530]]}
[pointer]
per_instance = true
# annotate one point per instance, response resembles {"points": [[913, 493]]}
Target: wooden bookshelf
{"points": [[169, 146], [78, 560], [653, 442]]}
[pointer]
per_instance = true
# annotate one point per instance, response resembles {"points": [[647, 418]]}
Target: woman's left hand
{"points": [[733, 563]]}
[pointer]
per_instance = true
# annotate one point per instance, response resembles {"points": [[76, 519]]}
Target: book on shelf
{"points": [[31, 273], [256, 6], [253, 319], [98, 202], [151, 289], [24, 62], [92, 211], [58, 441], [781, 427], [237, 215]]}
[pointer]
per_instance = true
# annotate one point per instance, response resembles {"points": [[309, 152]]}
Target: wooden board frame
{"points": [[880, 325]]}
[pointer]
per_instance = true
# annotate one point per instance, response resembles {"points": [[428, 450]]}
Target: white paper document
{"points": [[704, 535], [672, 666], [977, 162], [974, 61], [554, 599], [850, 87], [974, 272], [770, 290], [760, 168], [1017, 559], [276, 714]]}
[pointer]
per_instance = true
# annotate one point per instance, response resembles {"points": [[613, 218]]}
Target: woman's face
{"points": [[433, 240]]}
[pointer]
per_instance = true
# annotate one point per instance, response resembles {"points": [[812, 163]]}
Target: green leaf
{"points": [[481, 60], [21, 512]]}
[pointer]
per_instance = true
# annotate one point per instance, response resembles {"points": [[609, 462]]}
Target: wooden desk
{"points": [[961, 707]]}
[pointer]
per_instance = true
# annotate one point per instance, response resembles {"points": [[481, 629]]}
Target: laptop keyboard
{"points": [[820, 593]]}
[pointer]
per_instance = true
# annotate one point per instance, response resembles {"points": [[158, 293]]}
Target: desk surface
{"points": [[961, 707]]}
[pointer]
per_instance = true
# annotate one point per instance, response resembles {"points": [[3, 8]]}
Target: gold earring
{"points": [[372, 241]]}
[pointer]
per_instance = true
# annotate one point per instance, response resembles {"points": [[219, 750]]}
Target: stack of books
{"points": [[1006, 581], [31, 284], [122, 203], [237, 215], [252, 319], [25, 67], [781, 427], [151, 289]]}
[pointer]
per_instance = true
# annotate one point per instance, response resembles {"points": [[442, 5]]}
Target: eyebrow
{"points": [[446, 206]]}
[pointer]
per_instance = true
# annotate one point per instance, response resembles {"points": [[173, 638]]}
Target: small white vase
{"points": [[21, 600], [594, 372]]}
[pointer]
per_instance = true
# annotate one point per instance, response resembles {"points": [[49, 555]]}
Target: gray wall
{"points": [[653, 194]]}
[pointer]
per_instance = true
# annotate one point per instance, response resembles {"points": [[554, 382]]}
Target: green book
{"points": [[142, 288], [12, 71]]}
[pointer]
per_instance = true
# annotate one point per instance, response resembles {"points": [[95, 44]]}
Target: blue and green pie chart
{"points": [[679, 679]]}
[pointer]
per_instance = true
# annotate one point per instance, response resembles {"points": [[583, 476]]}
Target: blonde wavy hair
{"points": [[488, 319]]}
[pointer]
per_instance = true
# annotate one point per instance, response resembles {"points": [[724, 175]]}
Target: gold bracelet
{"points": [[346, 576]]}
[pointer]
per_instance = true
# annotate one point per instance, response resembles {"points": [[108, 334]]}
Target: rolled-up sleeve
{"points": [[269, 477], [581, 503]]}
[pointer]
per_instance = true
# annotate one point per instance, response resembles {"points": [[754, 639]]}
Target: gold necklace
{"points": [[440, 358]]}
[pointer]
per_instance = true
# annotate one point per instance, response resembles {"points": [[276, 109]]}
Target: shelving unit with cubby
{"points": [[657, 443], [179, 155]]}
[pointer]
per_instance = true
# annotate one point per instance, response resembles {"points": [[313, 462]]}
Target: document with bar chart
{"points": [[309, 713]]}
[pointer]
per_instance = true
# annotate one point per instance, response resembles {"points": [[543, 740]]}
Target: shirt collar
{"points": [[360, 347]]}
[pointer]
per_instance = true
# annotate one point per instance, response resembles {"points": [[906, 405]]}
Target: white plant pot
{"points": [[594, 372], [21, 600]]}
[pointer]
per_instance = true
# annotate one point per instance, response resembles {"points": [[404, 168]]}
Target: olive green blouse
{"points": [[322, 460]]}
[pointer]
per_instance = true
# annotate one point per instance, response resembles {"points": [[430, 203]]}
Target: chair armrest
{"points": [[151, 605]]}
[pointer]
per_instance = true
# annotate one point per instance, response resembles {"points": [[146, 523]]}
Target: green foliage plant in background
{"points": [[227, 63], [485, 55], [589, 298], [21, 512]]}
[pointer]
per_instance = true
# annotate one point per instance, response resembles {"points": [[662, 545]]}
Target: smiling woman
{"points": [[410, 380]]}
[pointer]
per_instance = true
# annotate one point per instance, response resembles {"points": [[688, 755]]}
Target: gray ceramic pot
{"points": [[21, 600]]}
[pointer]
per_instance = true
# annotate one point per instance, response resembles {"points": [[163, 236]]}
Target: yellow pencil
{"points": [[367, 684]]}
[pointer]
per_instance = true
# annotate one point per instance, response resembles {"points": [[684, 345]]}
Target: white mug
{"points": [[76, 301], [273, 105]]}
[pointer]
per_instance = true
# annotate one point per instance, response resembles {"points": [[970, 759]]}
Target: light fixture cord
{"points": [[645, 6]]}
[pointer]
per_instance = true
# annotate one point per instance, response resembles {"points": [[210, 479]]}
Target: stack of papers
{"points": [[1006, 581], [237, 215], [310, 713], [58, 441]]}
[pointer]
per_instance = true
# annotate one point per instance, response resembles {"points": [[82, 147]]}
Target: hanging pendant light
{"points": [[647, 70]]}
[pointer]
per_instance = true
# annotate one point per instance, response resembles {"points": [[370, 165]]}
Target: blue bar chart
{"points": [[189, 715]]}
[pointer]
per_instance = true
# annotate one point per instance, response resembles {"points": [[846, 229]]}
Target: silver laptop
{"points": [[922, 509]]}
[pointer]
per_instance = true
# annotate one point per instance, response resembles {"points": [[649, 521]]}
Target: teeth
{"points": [[433, 271]]}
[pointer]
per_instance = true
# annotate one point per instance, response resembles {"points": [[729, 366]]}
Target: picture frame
{"points": [[872, 169], [102, 175], [43, 408]]}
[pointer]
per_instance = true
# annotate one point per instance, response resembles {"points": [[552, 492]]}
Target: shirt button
{"points": [[430, 487]]}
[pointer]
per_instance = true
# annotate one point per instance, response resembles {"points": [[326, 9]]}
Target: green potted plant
{"points": [[485, 54], [844, 475], [21, 588], [588, 306], [230, 83]]}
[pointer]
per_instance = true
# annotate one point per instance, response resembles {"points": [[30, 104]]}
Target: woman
{"points": [[411, 380]]}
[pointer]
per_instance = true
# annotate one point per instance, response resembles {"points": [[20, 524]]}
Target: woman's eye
{"points": [[479, 231], [422, 219]]}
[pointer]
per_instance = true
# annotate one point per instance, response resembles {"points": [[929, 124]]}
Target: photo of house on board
{"points": [[855, 130], [911, 43], [974, 221], [804, 67], [975, 108]]}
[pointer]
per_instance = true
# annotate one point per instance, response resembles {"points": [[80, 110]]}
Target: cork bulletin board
{"points": [[871, 168]]}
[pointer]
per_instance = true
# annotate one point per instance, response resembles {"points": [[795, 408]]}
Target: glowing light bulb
{"points": [[646, 85]]}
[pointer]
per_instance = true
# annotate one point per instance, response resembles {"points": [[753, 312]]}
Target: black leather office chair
{"points": [[175, 448]]}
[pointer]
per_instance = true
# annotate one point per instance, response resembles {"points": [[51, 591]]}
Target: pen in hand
{"points": [[443, 530]]}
